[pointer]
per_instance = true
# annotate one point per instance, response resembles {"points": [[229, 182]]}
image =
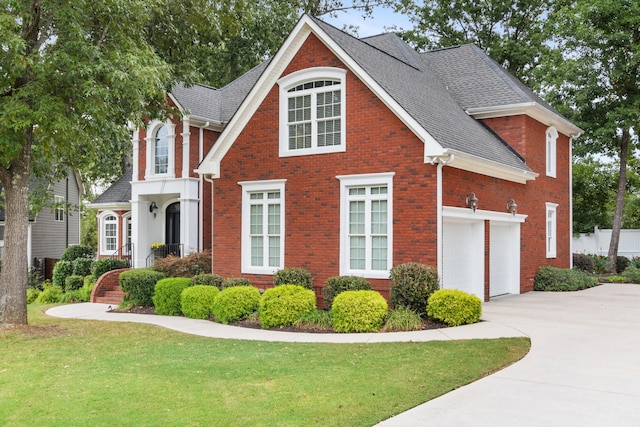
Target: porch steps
{"points": [[106, 290]]}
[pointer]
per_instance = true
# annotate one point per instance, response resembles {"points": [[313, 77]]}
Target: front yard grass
{"points": [[75, 372]]}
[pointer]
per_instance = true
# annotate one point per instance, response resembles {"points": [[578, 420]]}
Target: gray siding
{"points": [[50, 237]]}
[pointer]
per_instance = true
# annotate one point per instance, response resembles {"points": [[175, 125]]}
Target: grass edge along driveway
{"points": [[79, 372]]}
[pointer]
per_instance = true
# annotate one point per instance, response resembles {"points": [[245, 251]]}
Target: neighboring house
{"points": [[55, 227], [348, 157]]}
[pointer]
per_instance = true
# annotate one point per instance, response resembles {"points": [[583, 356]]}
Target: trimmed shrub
{"points": [[358, 311], [454, 307], [166, 295], [412, 284], [103, 265], [61, 271], [32, 295], [293, 276], [196, 302], [599, 263], [139, 285], [50, 295], [207, 279], [622, 262], [73, 283], [193, 264], [402, 319], [583, 262], [338, 284], [562, 279], [77, 251], [236, 303], [87, 287], [82, 266], [631, 274], [230, 282], [284, 304]]}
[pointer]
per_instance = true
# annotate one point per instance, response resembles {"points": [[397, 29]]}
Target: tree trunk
{"points": [[14, 275], [617, 216]]}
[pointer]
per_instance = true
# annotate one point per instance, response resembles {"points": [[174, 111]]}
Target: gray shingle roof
{"points": [[118, 192], [425, 97], [475, 80]]}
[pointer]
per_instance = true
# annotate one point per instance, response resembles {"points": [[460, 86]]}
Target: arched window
{"points": [[109, 234], [161, 150], [312, 111]]}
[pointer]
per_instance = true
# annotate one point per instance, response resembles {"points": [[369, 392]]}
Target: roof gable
{"points": [[118, 193]]}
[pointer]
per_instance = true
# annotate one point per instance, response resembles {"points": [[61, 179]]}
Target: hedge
{"points": [[196, 302], [166, 295], [139, 286], [454, 307], [236, 303], [358, 311], [285, 304]]}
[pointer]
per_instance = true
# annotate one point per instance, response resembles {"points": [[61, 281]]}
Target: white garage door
{"points": [[504, 276], [463, 256]]}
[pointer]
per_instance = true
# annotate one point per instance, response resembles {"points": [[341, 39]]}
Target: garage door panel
{"points": [[463, 256]]}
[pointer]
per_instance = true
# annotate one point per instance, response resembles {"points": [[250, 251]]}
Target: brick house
{"points": [[349, 156]]}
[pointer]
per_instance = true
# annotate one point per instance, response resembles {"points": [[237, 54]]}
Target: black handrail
{"points": [[125, 252], [173, 249]]}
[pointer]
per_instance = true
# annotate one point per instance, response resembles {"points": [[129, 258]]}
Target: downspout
{"points": [[212, 224], [571, 202], [442, 162], [66, 212], [201, 185]]}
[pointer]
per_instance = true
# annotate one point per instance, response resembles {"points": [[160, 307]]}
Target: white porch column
{"points": [[185, 147], [189, 224]]}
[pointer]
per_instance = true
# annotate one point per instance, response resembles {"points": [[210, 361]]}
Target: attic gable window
{"points": [[552, 137], [312, 112]]}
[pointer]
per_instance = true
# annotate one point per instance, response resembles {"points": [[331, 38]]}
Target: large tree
{"points": [[596, 77], [72, 75], [512, 32]]}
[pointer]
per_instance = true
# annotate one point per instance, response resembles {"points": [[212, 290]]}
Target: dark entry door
{"points": [[172, 230]]}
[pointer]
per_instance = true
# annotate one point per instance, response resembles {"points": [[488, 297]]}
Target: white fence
{"points": [[598, 243]]}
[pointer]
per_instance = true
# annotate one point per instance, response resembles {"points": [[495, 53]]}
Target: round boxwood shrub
{"points": [[61, 271], [230, 282], [208, 279], [139, 285], [82, 266], [103, 265], [358, 311], [77, 251], [412, 284], [285, 304], [454, 307], [73, 283], [166, 296], [236, 303], [196, 302], [338, 284], [293, 276]]}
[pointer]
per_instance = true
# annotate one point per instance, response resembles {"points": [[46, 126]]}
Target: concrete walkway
{"points": [[583, 368]]}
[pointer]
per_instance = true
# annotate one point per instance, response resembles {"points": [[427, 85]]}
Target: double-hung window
{"points": [[366, 225], [312, 112], [262, 226], [58, 208], [551, 241]]}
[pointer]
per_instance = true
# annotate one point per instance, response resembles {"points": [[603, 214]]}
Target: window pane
{"points": [[161, 154], [379, 253], [256, 219], [357, 253], [274, 219], [356, 217], [257, 258], [274, 251], [379, 217]]}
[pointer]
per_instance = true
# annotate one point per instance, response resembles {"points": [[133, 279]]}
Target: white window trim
{"points": [[150, 143], [551, 231], [551, 136], [103, 240], [249, 187], [58, 208], [128, 238], [305, 76], [346, 182]]}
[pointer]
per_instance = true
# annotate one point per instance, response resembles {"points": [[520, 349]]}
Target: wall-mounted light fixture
{"points": [[153, 208], [512, 207], [472, 201]]}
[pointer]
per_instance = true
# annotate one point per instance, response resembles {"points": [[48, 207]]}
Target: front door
{"points": [[172, 228]]}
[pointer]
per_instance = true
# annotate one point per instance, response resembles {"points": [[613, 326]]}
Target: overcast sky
{"points": [[382, 17]]}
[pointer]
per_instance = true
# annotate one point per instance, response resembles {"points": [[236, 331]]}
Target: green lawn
{"points": [[76, 372]]}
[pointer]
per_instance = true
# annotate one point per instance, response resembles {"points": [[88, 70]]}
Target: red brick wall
{"points": [[377, 142]]}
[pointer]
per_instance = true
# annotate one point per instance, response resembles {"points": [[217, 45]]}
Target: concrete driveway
{"points": [[583, 368]]}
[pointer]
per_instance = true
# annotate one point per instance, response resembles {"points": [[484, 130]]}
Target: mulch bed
{"points": [[254, 324]]}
